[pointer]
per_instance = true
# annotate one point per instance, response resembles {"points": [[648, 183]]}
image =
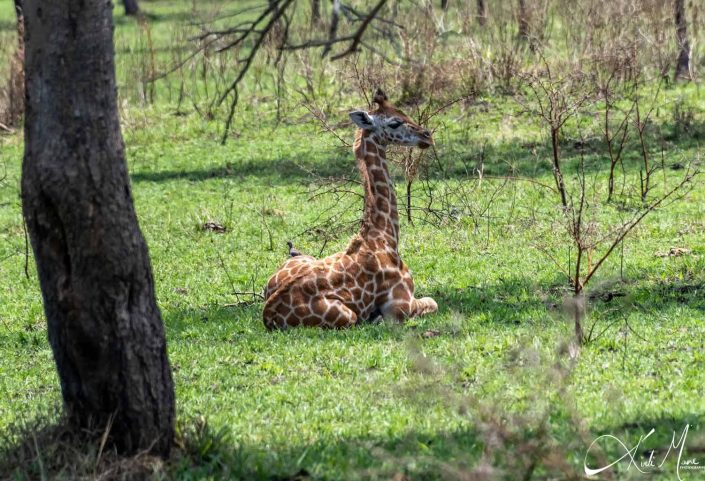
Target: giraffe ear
{"points": [[362, 119], [380, 97]]}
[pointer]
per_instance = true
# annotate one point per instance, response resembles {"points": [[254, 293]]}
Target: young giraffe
{"points": [[368, 279]]}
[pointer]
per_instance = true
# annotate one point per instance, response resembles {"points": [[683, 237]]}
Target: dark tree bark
{"points": [[316, 12], [444, 4], [523, 20], [131, 7], [481, 12], [104, 326], [683, 62]]}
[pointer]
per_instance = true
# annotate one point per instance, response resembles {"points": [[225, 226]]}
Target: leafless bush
{"points": [[419, 43], [555, 100], [615, 133], [419, 48]]}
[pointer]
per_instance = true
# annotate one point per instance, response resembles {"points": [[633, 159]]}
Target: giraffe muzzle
{"points": [[425, 140]]}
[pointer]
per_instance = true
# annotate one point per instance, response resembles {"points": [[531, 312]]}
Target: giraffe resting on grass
{"points": [[368, 278]]}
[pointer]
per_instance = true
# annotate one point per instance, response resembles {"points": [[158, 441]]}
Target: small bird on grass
{"points": [[292, 251]]}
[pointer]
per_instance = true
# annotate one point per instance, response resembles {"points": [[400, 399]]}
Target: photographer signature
{"points": [[649, 465]]}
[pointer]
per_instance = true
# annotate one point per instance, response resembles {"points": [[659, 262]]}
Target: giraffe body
{"points": [[368, 278]]}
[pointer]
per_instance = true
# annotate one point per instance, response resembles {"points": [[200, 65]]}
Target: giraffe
{"points": [[368, 279]]}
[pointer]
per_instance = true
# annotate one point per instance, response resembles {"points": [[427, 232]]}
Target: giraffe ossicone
{"points": [[368, 279]]}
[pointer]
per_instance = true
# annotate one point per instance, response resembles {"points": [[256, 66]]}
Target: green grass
{"points": [[373, 401]]}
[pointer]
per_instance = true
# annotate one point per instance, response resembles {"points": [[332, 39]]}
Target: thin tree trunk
{"points": [[557, 174], [481, 12], [578, 315], [131, 7], [104, 326], [683, 62], [316, 12], [15, 87], [523, 20]]}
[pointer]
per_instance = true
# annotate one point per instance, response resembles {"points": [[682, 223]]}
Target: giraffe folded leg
{"points": [[400, 309], [338, 315], [318, 312], [423, 306]]}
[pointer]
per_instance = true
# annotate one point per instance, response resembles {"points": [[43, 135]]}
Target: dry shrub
{"points": [[421, 51], [624, 35]]}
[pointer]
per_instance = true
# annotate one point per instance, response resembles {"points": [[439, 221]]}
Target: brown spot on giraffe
{"points": [[368, 278]]}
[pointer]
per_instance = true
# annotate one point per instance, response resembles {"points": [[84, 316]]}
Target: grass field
{"points": [[423, 398]]}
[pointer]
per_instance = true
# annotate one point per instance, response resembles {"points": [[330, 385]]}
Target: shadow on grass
{"points": [[690, 293], [510, 302], [666, 441], [455, 162], [243, 324], [285, 170], [47, 450], [534, 159], [443, 455]]}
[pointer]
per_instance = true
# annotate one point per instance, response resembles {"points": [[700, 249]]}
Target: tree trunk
{"points": [[578, 316], [316, 12], [19, 12], [481, 12], [104, 326], [683, 62], [131, 7], [523, 20], [444, 4], [15, 87]]}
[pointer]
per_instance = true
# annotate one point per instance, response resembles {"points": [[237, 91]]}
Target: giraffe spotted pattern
{"points": [[368, 279]]}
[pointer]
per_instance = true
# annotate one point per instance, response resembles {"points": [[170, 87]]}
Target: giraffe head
{"points": [[390, 125]]}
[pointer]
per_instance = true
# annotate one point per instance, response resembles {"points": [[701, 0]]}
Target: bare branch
{"points": [[629, 226], [277, 13], [357, 38], [333, 31]]}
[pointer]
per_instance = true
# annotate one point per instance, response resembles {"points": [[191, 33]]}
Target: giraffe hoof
{"points": [[431, 305]]}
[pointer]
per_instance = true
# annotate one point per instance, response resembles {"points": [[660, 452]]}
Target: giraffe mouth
{"points": [[425, 144]]}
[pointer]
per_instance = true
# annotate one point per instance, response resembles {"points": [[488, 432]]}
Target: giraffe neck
{"points": [[380, 221]]}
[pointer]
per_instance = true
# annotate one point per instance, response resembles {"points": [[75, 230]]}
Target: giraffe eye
{"points": [[395, 124]]}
